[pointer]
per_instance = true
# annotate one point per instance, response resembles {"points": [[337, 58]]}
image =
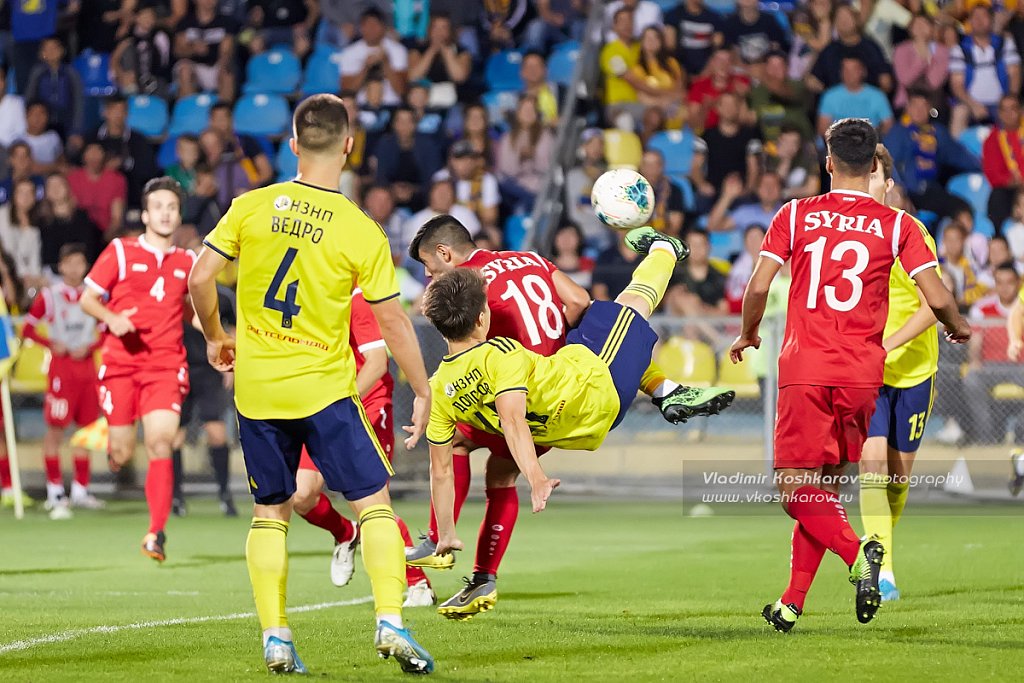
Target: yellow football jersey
{"points": [[918, 359], [571, 401], [300, 251]]}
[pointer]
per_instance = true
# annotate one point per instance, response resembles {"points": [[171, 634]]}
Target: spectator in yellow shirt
{"points": [[618, 57]]}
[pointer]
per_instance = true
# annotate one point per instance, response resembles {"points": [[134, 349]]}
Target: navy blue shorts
{"points": [[901, 414], [339, 439], [623, 340]]}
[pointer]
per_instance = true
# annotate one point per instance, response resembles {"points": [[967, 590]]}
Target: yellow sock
{"points": [[650, 279], [266, 554], [653, 378], [383, 558], [897, 499], [874, 512]]}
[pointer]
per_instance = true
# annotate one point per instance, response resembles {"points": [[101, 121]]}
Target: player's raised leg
{"points": [[159, 428]]}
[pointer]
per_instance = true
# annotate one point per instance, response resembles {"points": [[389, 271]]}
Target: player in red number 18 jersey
{"points": [[138, 288], [841, 246]]}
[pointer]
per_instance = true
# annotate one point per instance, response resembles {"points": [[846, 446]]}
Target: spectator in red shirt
{"points": [[989, 365], [1002, 158], [705, 91], [100, 191]]}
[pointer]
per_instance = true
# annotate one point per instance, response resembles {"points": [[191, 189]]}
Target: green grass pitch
{"points": [[602, 590]]}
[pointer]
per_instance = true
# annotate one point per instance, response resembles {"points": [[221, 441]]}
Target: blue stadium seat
{"points": [[322, 73], [974, 138], [94, 69], [562, 62], [262, 114], [190, 115], [515, 231], [265, 143], [275, 71], [502, 71], [983, 226], [286, 163], [148, 115], [929, 218], [167, 154], [974, 189], [677, 148]]}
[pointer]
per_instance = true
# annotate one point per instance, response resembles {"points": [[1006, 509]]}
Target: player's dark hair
{"points": [[851, 144], [443, 229], [453, 302], [885, 159], [70, 249], [321, 123], [162, 183]]}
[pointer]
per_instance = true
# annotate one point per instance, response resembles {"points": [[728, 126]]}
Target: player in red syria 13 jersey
{"points": [[138, 288], [841, 246], [534, 303]]}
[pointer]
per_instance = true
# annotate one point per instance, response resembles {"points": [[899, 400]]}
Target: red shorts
{"points": [[818, 426], [71, 394], [126, 394], [495, 443], [380, 415]]}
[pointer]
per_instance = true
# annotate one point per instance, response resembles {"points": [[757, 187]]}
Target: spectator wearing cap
{"points": [[439, 59], [440, 200], [204, 46], [127, 150], [556, 21], [375, 56], [752, 33], [533, 71], [668, 198], [795, 160], [475, 188], [920, 62], [60, 87], [767, 202], [579, 182], [693, 32], [850, 43], [645, 13], [704, 93], [1002, 159], [854, 98], [618, 57], [924, 153], [282, 22], [406, 159], [983, 68], [777, 100], [523, 156], [12, 112]]}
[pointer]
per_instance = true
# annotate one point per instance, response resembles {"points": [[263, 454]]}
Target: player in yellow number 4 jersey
{"points": [[904, 402], [301, 246], [571, 399]]}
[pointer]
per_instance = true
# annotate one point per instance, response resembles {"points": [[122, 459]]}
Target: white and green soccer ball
{"points": [[622, 199]]}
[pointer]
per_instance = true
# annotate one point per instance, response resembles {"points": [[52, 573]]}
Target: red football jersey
{"points": [[365, 334], [842, 245], [524, 302], [130, 273]]}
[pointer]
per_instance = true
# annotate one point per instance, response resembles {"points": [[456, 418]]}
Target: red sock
{"points": [[823, 517], [327, 518], [5, 474], [159, 487], [460, 468], [803, 565], [82, 470], [413, 575], [496, 530], [52, 464]]}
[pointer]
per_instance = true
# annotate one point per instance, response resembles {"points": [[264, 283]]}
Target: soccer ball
{"points": [[622, 199]]}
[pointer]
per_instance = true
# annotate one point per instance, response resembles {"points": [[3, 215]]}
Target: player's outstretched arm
{"points": [[202, 287], [575, 299], [755, 298], [1015, 330], [511, 407], [442, 494], [944, 305], [923, 318], [401, 339]]}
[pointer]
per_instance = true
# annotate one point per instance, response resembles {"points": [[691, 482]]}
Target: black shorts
{"points": [[208, 400]]}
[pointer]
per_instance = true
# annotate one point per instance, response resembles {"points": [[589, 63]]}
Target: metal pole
{"points": [[12, 446]]}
